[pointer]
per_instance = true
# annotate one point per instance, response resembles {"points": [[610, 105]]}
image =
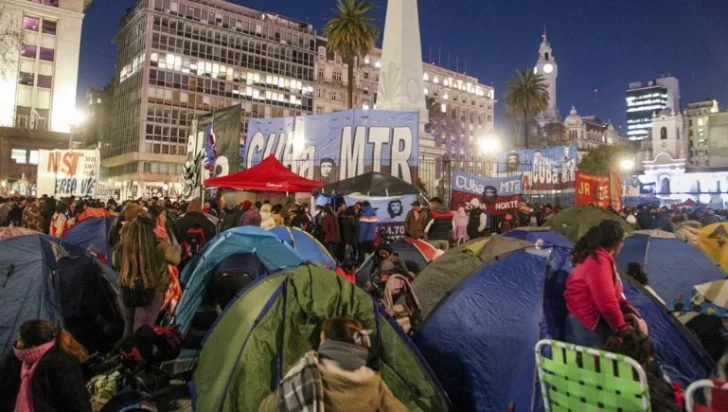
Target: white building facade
{"points": [[39, 66], [589, 132]]}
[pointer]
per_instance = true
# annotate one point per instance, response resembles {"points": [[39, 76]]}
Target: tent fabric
{"points": [[307, 247], [270, 175], [411, 253], [672, 265], [273, 253], [436, 280], [191, 219], [370, 184], [543, 236], [10, 232], [92, 231], [42, 277], [275, 321], [713, 241], [574, 222]]}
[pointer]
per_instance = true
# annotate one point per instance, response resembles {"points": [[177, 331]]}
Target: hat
{"points": [[631, 219], [247, 204], [415, 203]]}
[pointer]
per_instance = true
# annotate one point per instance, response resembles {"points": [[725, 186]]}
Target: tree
{"points": [[352, 34], [11, 37], [555, 134], [599, 160], [526, 96]]}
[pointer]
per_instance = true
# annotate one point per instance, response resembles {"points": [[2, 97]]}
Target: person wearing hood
{"points": [[266, 217], [368, 223], [335, 376], [31, 216], [441, 225]]}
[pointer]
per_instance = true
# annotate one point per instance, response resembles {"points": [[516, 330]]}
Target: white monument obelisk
{"points": [[401, 79]]}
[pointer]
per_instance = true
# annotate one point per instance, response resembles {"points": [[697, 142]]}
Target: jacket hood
{"points": [[368, 211]]}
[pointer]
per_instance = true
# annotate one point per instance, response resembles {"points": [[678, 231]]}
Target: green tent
{"points": [[574, 222], [442, 275], [274, 322]]}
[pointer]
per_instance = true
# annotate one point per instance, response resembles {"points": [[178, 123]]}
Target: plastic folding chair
{"points": [[718, 399], [579, 379]]}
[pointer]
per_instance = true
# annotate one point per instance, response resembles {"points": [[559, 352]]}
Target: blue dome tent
{"points": [[42, 277], [544, 236], [305, 245], [273, 253], [93, 231], [673, 266]]}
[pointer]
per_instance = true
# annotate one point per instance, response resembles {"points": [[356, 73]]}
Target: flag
{"points": [[210, 148]]}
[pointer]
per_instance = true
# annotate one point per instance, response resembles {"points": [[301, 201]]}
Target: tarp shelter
{"points": [[10, 232], [277, 320], [673, 266], [416, 253], [574, 222], [308, 248], [42, 277], [273, 253], [92, 231], [370, 184], [270, 175], [713, 241]]}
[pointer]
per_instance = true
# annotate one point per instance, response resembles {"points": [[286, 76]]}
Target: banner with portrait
{"points": [[64, 173], [498, 195], [336, 146], [548, 168], [592, 190]]}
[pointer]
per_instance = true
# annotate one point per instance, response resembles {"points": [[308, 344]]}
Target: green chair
{"points": [[579, 379]]}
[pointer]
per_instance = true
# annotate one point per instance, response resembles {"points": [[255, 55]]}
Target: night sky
{"points": [[598, 44]]}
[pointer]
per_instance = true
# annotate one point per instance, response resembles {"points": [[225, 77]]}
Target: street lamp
{"points": [[626, 164], [77, 118], [490, 146]]}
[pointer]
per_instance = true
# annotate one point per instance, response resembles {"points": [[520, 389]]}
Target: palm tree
{"points": [[352, 34], [527, 96]]}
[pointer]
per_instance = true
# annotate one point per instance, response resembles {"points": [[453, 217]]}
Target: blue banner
{"points": [[391, 211], [548, 168], [336, 146], [479, 185]]}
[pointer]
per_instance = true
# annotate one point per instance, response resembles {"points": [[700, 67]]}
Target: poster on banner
{"points": [[391, 212], [591, 189], [616, 189], [499, 195], [63, 173], [213, 148], [548, 168], [336, 146]]}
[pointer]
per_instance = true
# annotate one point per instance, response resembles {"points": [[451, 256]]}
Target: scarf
{"points": [[30, 358], [302, 389], [348, 356]]}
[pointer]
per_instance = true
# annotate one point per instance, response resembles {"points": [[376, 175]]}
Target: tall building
{"points": [[698, 114], [547, 67], [645, 99], [39, 74], [178, 59], [461, 108]]}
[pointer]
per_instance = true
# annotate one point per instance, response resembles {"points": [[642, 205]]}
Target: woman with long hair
{"points": [[593, 293], [141, 259], [43, 372], [338, 369]]}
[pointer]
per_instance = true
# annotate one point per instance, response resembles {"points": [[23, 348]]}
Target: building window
{"points": [[25, 78], [45, 82], [319, 109], [320, 72], [663, 133], [30, 23], [47, 54], [366, 91], [337, 76], [700, 122], [19, 156], [33, 158], [49, 27], [28, 50], [365, 75], [320, 92]]}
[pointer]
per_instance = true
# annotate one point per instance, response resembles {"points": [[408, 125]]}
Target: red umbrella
{"points": [[270, 175]]}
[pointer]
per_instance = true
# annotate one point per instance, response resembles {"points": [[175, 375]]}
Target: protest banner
{"points": [[545, 169], [499, 195], [63, 173], [592, 190]]}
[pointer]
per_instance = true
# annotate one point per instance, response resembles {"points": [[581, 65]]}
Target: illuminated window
{"points": [[19, 156], [30, 23], [33, 159], [29, 51], [700, 122]]}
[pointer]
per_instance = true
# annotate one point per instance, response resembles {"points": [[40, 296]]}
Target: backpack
{"points": [[407, 314], [193, 242]]}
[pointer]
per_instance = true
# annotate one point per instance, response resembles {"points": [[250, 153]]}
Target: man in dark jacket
{"points": [[230, 215], [441, 225], [414, 223]]}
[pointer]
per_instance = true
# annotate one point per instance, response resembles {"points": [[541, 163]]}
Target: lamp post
{"points": [[489, 146]]}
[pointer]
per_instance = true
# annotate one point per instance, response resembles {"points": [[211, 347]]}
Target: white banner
{"points": [[63, 173]]}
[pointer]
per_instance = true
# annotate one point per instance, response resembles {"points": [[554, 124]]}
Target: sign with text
{"points": [[548, 168], [63, 173], [391, 212], [499, 195], [591, 189], [336, 146]]}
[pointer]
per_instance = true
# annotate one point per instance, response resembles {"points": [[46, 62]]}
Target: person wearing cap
{"points": [[477, 220], [414, 223]]}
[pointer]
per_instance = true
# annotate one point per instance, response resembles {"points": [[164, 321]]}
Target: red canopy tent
{"points": [[270, 175]]}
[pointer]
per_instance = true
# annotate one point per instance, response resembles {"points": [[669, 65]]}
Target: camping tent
{"points": [[673, 266], [10, 232], [308, 248], [272, 252], [574, 222], [713, 240], [93, 231], [270, 175], [541, 236], [417, 254], [277, 319], [42, 277], [370, 184]]}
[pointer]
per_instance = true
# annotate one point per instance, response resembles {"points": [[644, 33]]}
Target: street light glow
{"points": [[78, 118], [489, 145], [626, 164]]}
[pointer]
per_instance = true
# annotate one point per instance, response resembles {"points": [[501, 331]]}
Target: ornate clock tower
{"points": [[546, 66]]}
